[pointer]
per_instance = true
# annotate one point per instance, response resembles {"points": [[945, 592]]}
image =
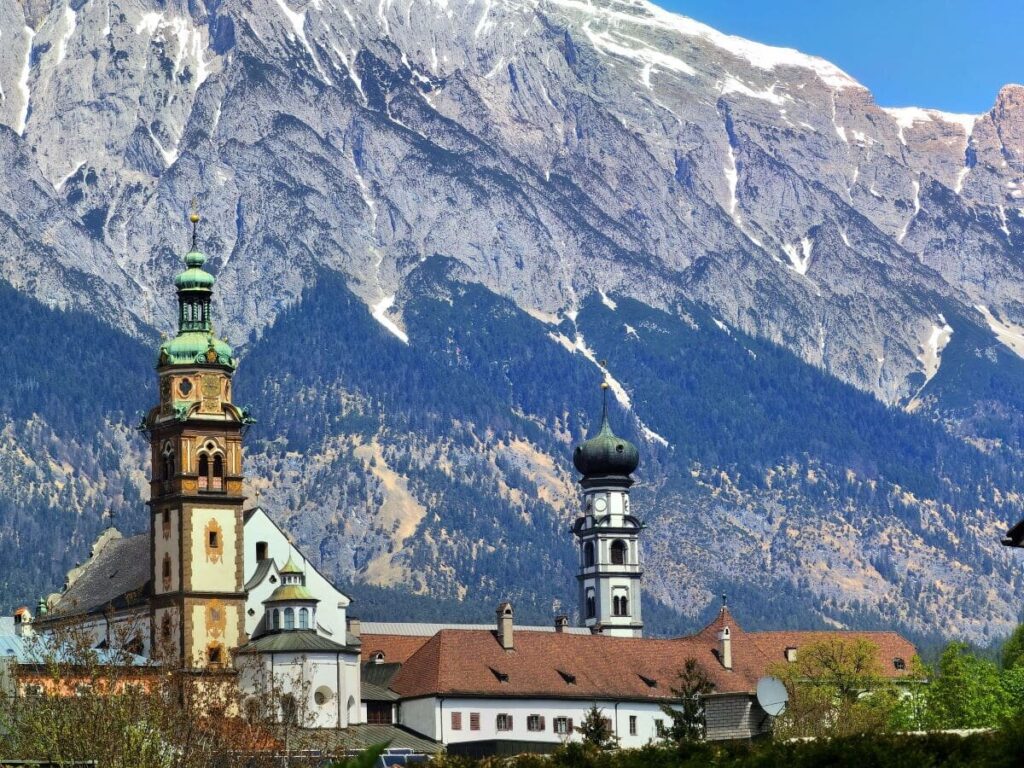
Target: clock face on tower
{"points": [[600, 504]]}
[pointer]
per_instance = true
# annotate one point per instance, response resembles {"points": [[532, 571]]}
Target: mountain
{"points": [[430, 221]]}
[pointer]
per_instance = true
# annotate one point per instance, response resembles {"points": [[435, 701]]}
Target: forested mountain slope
{"points": [[429, 222]]}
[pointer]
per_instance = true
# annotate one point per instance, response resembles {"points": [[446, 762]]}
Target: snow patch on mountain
{"points": [[23, 85], [1011, 336], [906, 117], [732, 85], [765, 57], [643, 54], [380, 314], [931, 350], [799, 261], [70, 19]]}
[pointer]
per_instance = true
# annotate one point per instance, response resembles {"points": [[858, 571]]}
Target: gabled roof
{"points": [[553, 665], [117, 575]]}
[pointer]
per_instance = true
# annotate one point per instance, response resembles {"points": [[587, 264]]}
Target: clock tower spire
{"points": [[608, 534]]}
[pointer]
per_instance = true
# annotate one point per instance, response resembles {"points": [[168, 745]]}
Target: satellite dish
{"points": [[772, 695]]}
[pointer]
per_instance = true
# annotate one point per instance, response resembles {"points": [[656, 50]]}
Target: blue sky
{"points": [[942, 54]]}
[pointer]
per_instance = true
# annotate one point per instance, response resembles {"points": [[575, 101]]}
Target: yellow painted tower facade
{"points": [[196, 497]]}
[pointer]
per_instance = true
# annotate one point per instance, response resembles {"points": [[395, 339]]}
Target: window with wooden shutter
{"points": [[474, 721], [535, 723], [456, 721]]}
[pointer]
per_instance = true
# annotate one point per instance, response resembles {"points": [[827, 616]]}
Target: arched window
{"points": [[277, 619], [218, 472], [620, 605], [204, 471], [591, 604], [588, 554], [303, 618], [618, 552], [289, 618]]}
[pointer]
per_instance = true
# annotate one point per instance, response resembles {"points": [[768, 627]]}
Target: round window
{"points": [[322, 695], [185, 387], [600, 505]]}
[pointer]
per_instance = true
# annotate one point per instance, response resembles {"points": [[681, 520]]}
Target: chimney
{"points": [[725, 647], [505, 625], [355, 626], [561, 622]]}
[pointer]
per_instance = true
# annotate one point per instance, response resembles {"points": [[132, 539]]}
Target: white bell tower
{"points": [[608, 534]]}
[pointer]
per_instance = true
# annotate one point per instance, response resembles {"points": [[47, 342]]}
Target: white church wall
{"points": [[322, 684], [331, 611]]}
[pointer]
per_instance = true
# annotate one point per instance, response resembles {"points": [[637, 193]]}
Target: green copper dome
{"points": [[195, 343], [196, 348], [606, 455], [194, 279], [289, 593]]}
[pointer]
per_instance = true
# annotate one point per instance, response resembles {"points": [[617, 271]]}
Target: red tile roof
{"points": [[396, 648], [471, 662], [552, 665], [891, 646]]}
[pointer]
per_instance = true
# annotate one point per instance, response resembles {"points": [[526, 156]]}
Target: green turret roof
{"points": [[195, 343], [291, 593], [291, 566]]}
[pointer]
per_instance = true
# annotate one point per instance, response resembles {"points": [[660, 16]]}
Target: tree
{"points": [[687, 712], [1013, 649], [836, 688], [967, 691], [71, 703], [596, 730]]}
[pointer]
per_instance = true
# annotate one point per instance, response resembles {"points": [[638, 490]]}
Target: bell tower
{"points": [[608, 534], [195, 435]]}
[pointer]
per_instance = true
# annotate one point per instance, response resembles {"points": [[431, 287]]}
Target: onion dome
{"points": [[194, 278], [606, 455], [195, 343]]}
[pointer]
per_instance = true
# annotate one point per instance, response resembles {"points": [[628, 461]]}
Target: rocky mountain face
{"points": [[487, 198]]}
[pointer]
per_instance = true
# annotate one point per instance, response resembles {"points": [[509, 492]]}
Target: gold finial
{"points": [[604, 385], [194, 218]]}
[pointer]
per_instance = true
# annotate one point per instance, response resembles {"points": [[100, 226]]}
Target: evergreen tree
{"points": [[596, 730], [687, 714]]}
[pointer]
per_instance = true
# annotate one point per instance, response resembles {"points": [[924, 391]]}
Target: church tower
{"points": [[195, 435], [608, 534]]}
